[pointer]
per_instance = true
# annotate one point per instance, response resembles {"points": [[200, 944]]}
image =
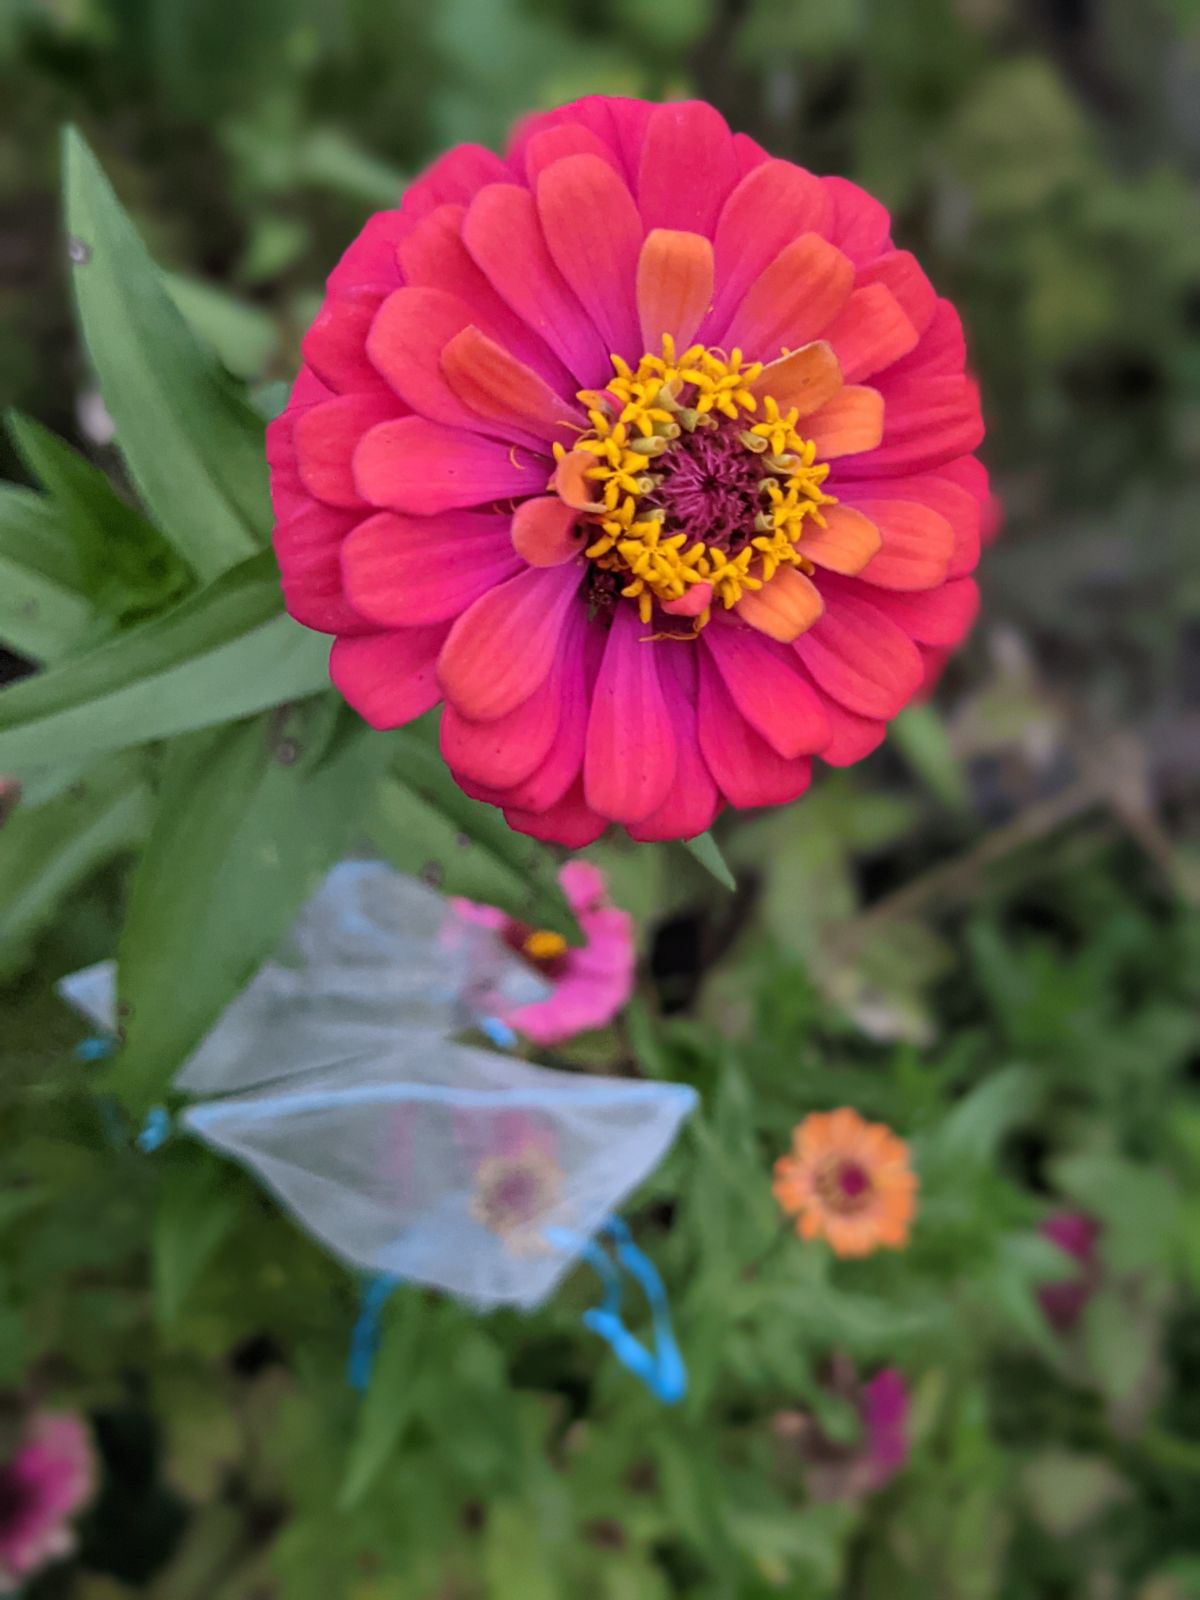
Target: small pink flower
{"points": [[833, 1471], [1077, 1235], [41, 1487], [591, 983], [884, 1411]]}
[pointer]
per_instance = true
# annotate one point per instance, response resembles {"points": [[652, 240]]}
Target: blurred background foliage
{"points": [[987, 936]]}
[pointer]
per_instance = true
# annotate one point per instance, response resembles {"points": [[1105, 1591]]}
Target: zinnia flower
{"points": [[589, 983], [849, 1182], [649, 454], [42, 1486], [1077, 1235], [839, 1471]]}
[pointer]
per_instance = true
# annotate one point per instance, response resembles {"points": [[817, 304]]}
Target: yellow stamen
{"points": [[544, 945]]}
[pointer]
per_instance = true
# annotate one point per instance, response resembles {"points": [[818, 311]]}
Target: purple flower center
{"points": [[711, 487]]}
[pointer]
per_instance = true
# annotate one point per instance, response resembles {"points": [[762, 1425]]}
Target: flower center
{"points": [[694, 494], [542, 948], [513, 1192], [844, 1185]]}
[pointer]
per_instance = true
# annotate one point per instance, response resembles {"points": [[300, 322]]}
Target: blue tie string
{"points": [[155, 1130], [98, 1048], [364, 1340]]}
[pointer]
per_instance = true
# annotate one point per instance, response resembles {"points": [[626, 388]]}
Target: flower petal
{"points": [[569, 821], [415, 465], [765, 684], [370, 262], [567, 139], [784, 608], [745, 767], [942, 491], [389, 678], [507, 749], [307, 547], [847, 425], [571, 481], [900, 271], [594, 233], [674, 286], [930, 421], [405, 344], [861, 657], [494, 385], [917, 544], [870, 333], [692, 802], [630, 756], [502, 232], [860, 224], [845, 544], [335, 344], [326, 437], [688, 167], [806, 378], [940, 617], [500, 650], [773, 204], [563, 766], [793, 300], [402, 571], [545, 532], [453, 178]]}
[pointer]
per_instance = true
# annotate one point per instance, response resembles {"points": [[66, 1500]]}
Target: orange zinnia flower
{"points": [[847, 1181]]}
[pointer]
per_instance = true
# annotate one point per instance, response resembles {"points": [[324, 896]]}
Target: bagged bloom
{"points": [[588, 985], [849, 1182], [840, 1470], [334, 1079], [650, 455], [46, 1480]]}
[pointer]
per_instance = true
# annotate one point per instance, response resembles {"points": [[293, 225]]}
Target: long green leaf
{"points": [[249, 818], [424, 824], [193, 446], [42, 613], [224, 653], [705, 849]]}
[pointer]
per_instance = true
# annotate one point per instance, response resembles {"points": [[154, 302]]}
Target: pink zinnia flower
{"points": [[1077, 1235], [834, 1471], [649, 454], [591, 982], [41, 1487]]}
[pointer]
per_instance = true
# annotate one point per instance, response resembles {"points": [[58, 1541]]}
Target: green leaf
{"points": [[708, 853], [390, 1403], [243, 337], [249, 818], [193, 446], [979, 1123], [47, 851], [194, 1214], [42, 613], [424, 825], [919, 733], [223, 653]]}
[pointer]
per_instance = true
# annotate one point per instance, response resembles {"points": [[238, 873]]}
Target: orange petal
{"points": [[573, 486], [794, 300], [543, 531], [489, 379], [806, 379], [845, 544], [848, 424], [691, 603], [674, 286], [784, 608], [870, 332]]}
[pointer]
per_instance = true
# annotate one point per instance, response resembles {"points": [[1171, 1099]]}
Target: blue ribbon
{"points": [[156, 1130], [662, 1370], [364, 1339], [98, 1048], [501, 1035]]}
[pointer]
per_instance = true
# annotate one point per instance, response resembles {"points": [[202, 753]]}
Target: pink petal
{"points": [[942, 616], [570, 821], [502, 232], [942, 351], [851, 737], [749, 153], [917, 542], [688, 166], [545, 532], [563, 766], [630, 119], [501, 649], [335, 344], [859, 656], [870, 333], [567, 139], [389, 678], [939, 491], [692, 802], [411, 329], [370, 262], [510, 396], [593, 113], [508, 749], [793, 300], [765, 684], [454, 178], [860, 225], [433, 256], [900, 271], [415, 465], [402, 571], [594, 234], [746, 768], [928, 422], [308, 549], [773, 204], [674, 286], [326, 438], [630, 755]]}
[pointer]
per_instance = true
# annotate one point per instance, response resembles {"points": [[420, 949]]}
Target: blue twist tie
{"points": [[501, 1035], [98, 1048], [662, 1371], [156, 1130], [364, 1340]]}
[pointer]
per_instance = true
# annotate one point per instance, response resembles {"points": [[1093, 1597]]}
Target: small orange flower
{"points": [[847, 1181]]}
